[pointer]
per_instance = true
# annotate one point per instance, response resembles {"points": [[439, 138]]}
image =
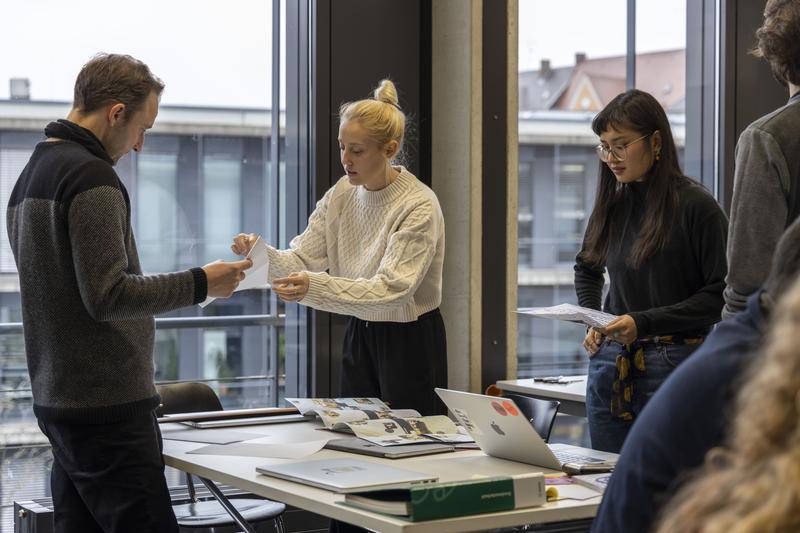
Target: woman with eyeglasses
{"points": [[661, 236]]}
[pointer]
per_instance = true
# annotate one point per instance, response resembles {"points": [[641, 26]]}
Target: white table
{"points": [[240, 472], [571, 395]]}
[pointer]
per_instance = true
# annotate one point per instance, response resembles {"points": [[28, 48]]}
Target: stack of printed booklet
{"points": [[373, 420]]}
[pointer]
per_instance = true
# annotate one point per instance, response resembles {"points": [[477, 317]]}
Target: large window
{"points": [[574, 57], [210, 168]]}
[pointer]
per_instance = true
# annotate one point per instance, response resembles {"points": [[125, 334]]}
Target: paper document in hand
{"points": [[257, 275], [571, 313]]}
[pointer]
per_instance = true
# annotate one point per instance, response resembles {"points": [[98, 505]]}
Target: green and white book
{"points": [[460, 498]]}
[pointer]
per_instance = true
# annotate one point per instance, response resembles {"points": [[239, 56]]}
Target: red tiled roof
{"points": [[595, 82]]}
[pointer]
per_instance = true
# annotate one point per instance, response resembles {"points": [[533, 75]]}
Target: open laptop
{"points": [[345, 475], [501, 430]]}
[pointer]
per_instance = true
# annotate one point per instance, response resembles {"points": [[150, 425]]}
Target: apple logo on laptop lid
{"points": [[497, 428]]}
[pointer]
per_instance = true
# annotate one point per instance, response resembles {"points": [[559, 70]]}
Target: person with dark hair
{"points": [[766, 182], [87, 308], [661, 237], [690, 413]]}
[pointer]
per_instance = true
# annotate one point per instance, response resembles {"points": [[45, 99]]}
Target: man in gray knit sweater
{"points": [[766, 186], [87, 309]]}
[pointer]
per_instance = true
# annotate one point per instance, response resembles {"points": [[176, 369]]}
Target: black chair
{"points": [[541, 413], [210, 514]]}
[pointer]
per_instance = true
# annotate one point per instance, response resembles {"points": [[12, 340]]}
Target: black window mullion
{"points": [[275, 158], [630, 56], [294, 176], [494, 316], [701, 84]]}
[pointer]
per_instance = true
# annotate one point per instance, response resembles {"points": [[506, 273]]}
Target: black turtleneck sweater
{"points": [[87, 310], [677, 290]]}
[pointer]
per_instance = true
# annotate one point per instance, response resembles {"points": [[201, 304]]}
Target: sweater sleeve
{"points": [[589, 281], [758, 215], [408, 255], [97, 222], [702, 309], [307, 251]]}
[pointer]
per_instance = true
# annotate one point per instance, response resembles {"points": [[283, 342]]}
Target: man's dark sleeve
{"points": [[109, 286]]}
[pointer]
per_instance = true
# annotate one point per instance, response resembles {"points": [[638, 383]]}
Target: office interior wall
{"points": [[474, 146], [512, 181], [456, 170]]}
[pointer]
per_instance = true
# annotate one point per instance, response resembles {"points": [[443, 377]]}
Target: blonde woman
{"points": [[373, 249], [754, 484]]}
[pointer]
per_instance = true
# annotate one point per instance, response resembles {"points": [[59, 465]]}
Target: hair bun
{"points": [[387, 93]]}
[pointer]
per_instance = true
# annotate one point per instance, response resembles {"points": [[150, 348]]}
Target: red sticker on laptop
{"points": [[499, 408], [510, 408]]}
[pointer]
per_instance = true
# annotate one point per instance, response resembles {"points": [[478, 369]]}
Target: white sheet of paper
{"points": [[281, 450], [255, 276], [570, 313], [207, 436], [575, 492]]}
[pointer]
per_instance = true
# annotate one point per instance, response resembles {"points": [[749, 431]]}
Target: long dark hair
{"points": [[638, 111]]}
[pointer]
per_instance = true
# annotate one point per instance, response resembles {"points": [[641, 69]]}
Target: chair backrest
{"points": [[541, 413], [187, 398]]}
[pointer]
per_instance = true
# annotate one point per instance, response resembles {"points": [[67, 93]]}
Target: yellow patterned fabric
{"points": [[630, 364]]}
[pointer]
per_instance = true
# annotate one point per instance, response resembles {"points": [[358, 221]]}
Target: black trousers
{"points": [[109, 478], [398, 362]]}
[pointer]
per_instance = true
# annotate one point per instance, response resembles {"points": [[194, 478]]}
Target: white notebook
{"points": [[345, 475]]}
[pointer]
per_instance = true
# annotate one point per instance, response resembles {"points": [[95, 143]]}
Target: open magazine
{"points": [[372, 420], [570, 313], [336, 413]]}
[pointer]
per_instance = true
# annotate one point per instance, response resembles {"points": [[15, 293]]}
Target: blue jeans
{"points": [[606, 431]]}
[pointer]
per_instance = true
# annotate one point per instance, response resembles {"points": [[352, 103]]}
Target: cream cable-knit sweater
{"points": [[383, 251]]}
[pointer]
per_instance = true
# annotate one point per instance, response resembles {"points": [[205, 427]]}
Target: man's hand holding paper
{"points": [[224, 277], [257, 274]]}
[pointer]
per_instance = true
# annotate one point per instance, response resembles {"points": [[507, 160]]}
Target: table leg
{"points": [[235, 514]]}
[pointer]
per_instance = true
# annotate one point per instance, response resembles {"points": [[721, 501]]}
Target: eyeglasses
{"points": [[619, 151]]}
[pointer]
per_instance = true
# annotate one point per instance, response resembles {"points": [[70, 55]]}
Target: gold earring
{"points": [[658, 156]]}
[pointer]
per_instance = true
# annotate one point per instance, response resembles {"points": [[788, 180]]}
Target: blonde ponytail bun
{"points": [[387, 93], [384, 123]]}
